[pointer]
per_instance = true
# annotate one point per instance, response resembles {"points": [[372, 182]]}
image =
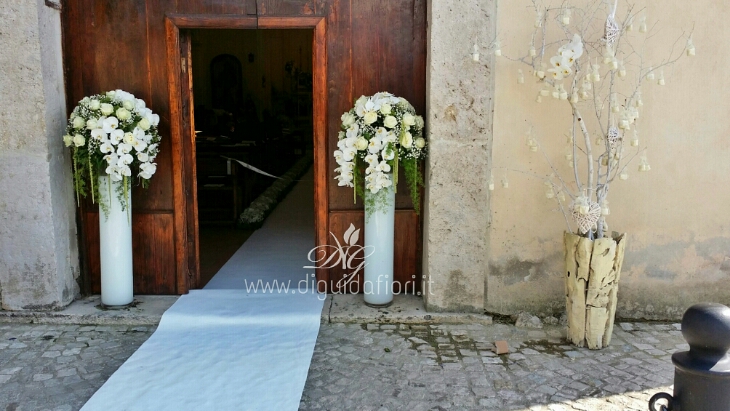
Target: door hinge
{"points": [[183, 66]]}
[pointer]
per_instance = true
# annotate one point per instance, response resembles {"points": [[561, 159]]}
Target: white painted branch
{"points": [[589, 149]]}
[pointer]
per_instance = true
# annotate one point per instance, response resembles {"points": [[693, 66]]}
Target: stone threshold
{"points": [[145, 310], [148, 310]]}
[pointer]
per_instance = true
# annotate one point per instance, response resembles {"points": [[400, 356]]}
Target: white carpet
{"points": [[226, 348]]}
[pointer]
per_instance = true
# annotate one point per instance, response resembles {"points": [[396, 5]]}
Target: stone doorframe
{"points": [[460, 95]]}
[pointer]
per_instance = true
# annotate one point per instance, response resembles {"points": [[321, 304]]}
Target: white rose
{"points": [[107, 108], [361, 143], [128, 104], [110, 93], [390, 122], [407, 140], [79, 140], [139, 105], [94, 104], [385, 108], [144, 124], [408, 119], [68, 140], [91, 123], [370, 117], [78, 122], [420, 142], [123, 114], [419, 122], [348, 119]]}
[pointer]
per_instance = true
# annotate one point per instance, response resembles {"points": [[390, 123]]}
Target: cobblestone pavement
{"points": [[376, 367], [452, 367], [59, 367]]}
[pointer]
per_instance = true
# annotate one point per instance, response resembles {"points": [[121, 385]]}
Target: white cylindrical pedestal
{"points": [[379, 225], [115, 243]]}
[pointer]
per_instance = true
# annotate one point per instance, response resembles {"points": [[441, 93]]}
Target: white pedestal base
{"points": [[379, 237], [115, 243]]}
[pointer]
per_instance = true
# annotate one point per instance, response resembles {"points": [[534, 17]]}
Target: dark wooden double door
{"points": [[367, 46]]}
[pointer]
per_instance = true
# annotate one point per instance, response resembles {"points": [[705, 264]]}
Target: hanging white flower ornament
{"points": [[612, 28], [614, 137]]}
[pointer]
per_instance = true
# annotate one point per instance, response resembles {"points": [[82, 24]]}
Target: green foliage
{"points": [[414, 180]]}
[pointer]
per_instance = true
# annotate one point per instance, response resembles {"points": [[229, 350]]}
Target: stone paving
{"points": [[452, 367], [59, 367], [377, 367]]}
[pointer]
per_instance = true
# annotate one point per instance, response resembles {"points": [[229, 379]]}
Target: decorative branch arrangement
{"points": [[596, 66]]}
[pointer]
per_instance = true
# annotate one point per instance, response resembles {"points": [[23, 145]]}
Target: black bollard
{"points": [[702, 374]]}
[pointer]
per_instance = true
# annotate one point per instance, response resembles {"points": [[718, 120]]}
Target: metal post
{"points": [[702, 374]]}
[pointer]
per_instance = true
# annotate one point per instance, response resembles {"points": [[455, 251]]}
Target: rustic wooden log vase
{"points": [[592, 274]]}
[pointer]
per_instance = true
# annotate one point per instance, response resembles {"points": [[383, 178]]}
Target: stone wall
{"points": [[459, 121], [38, 243]]}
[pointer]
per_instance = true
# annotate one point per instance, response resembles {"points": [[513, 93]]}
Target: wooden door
{"points": [[368, 46], [189, 277]]}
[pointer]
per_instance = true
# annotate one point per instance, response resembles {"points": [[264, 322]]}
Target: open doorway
{"points": [[252, 102]]}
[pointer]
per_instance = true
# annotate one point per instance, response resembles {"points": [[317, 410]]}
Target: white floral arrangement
{"points": [[379, 133], [255, 214], [113, 134]]}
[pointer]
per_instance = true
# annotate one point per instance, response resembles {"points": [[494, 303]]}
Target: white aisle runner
{"points": [[226, 347]]}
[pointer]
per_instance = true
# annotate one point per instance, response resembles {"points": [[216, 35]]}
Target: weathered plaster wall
{"points": [[676, 215], [460, 123], [38, 246]]}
